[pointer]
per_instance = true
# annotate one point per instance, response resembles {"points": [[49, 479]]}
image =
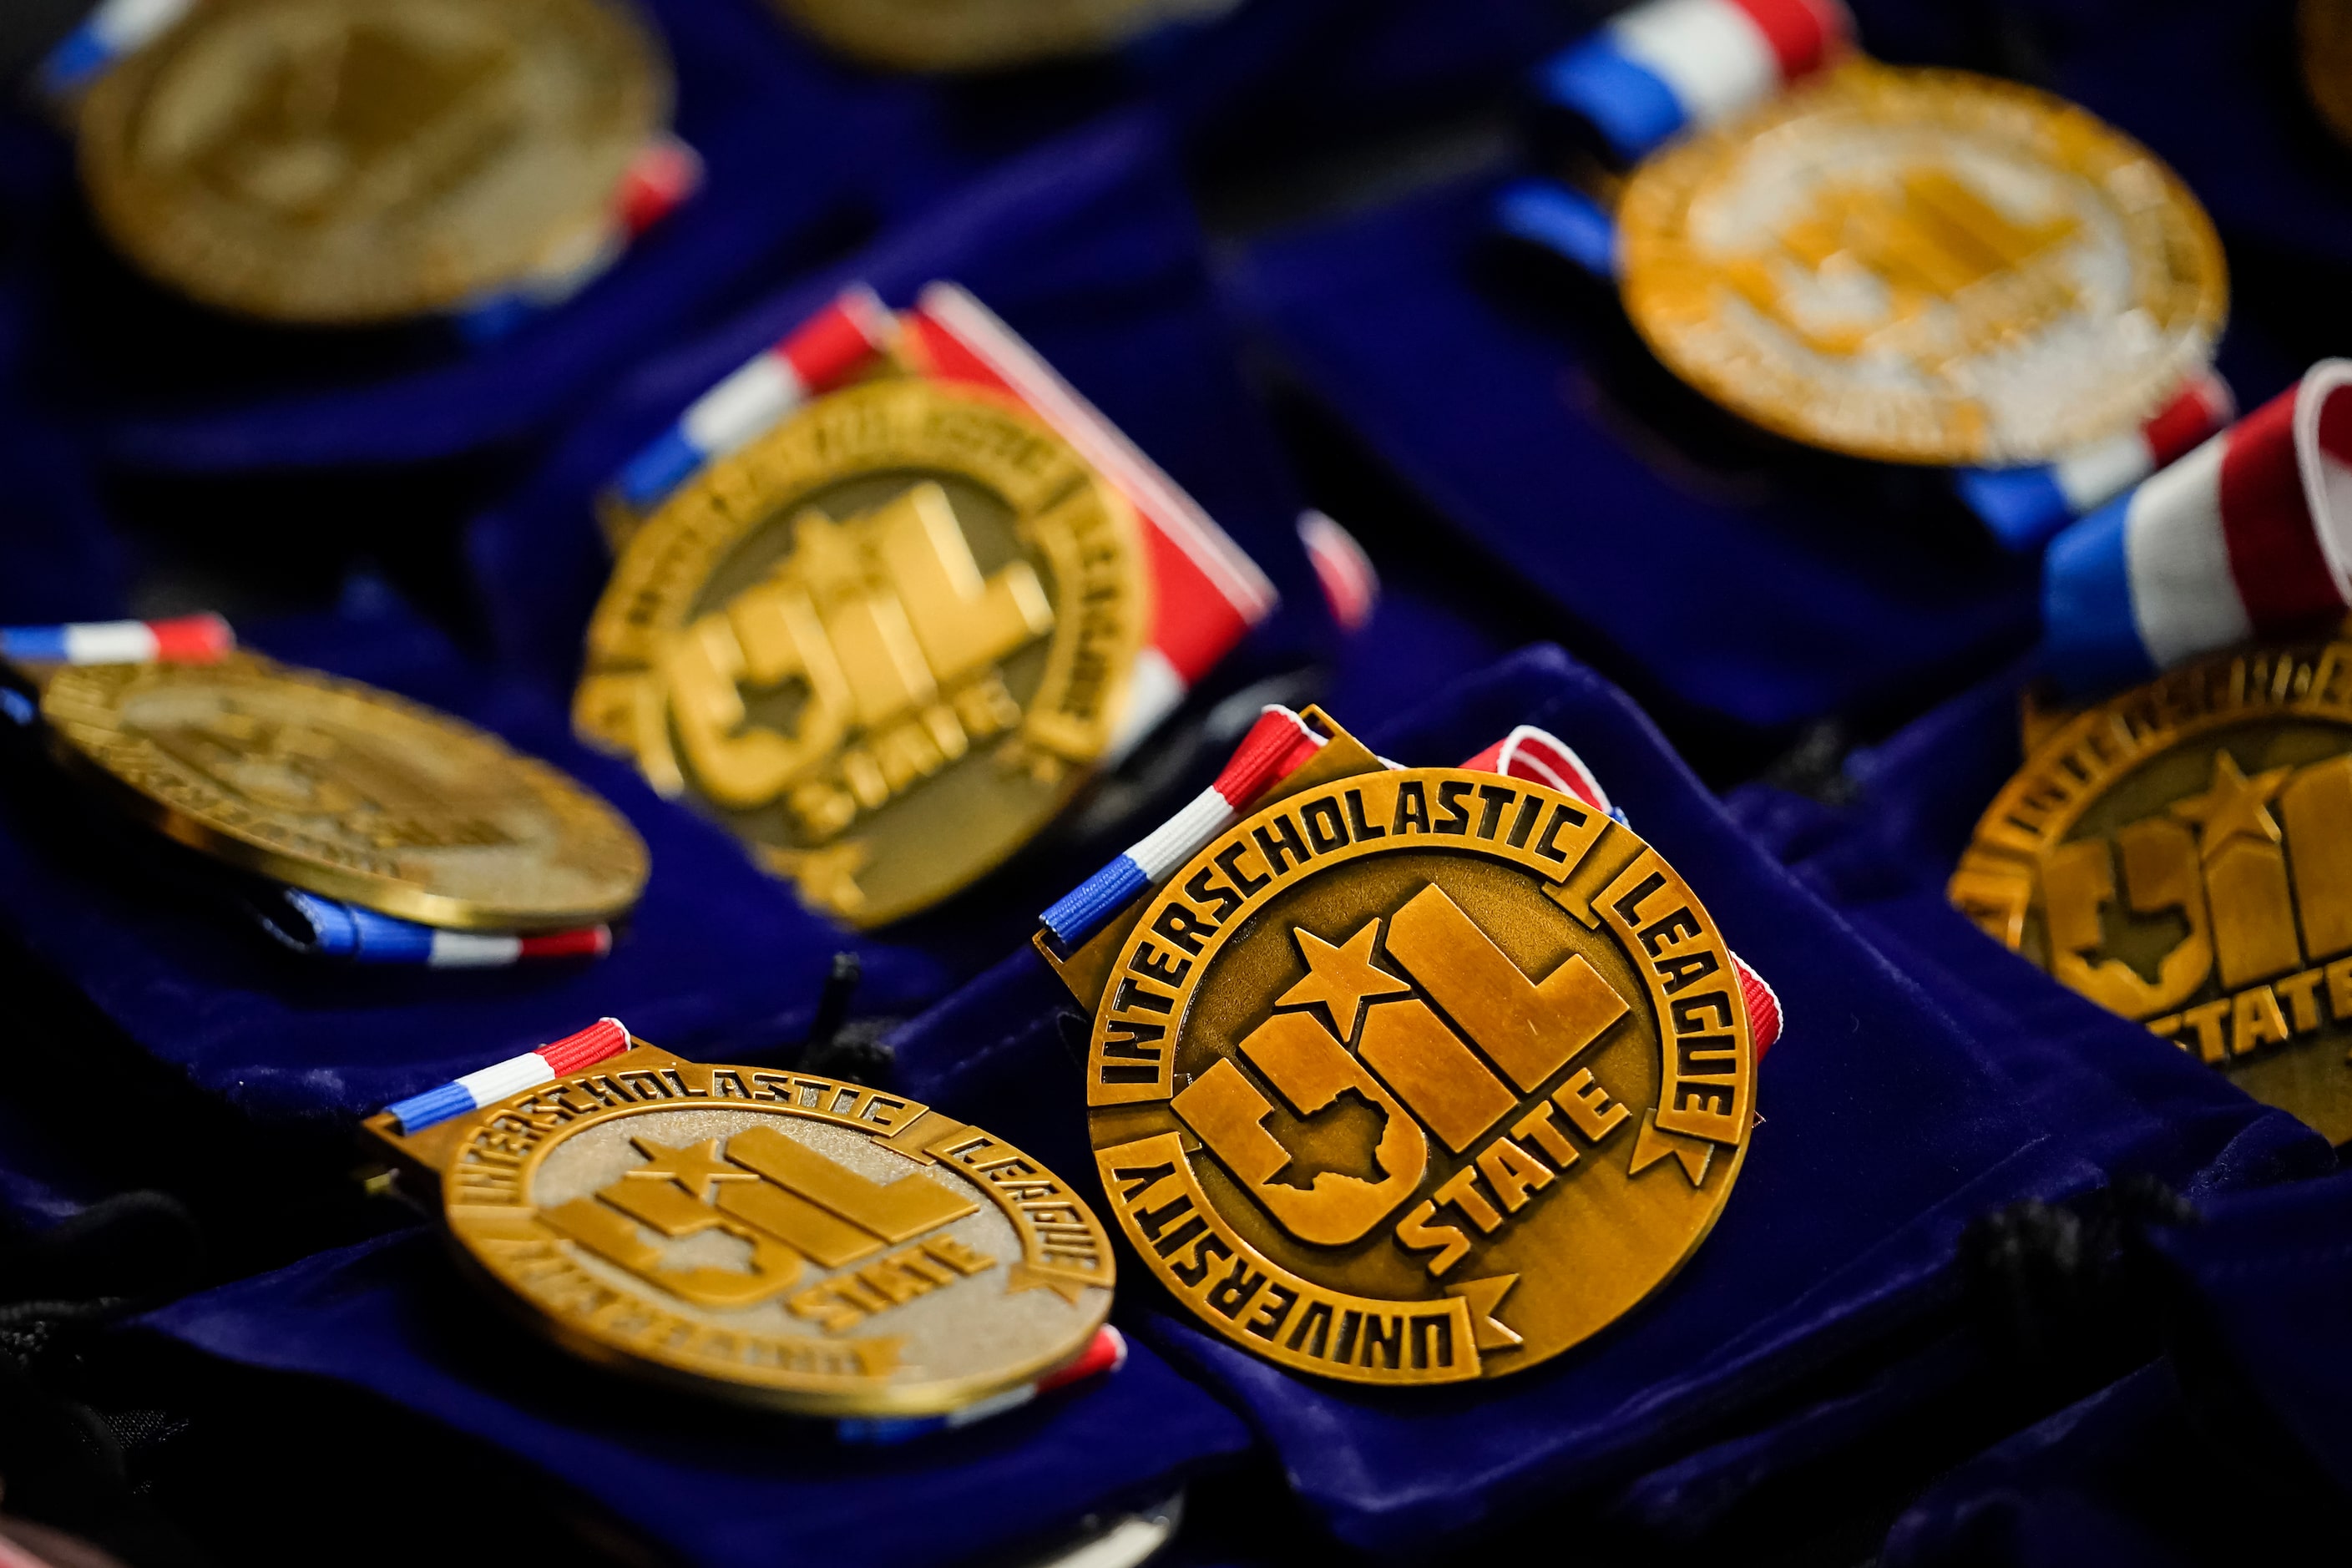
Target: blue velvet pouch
{"points": [[719, 961], [1089, 250], [1707, 574], [805, 154], [2230, 1449], [1884, 1134], [706, 1484]]}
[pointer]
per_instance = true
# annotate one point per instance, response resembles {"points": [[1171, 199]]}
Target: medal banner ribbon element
{"points": [[600, 1041], [186, 639], [2024, 506], [337, 930], [113, 29], [1672, 66], [1351, 584], [1206, 594], [2249, 536]]}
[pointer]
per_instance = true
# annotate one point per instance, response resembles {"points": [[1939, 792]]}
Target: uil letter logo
{"points": [[1428, 1044]]}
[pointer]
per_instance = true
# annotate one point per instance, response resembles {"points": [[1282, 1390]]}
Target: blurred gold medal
{"points": [[1923, 267], [338, 162], [1419, 1076], [884, 643], [2324, 36], [770, 1237], [983, 34], [350, 792], [2182, 854]]}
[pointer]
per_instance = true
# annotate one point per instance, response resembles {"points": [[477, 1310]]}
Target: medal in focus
{"points": [[1922, 267], [884, 642], [2182, 854], [342, 162], [346, 791], [1416, 1076], [762, 1236]]}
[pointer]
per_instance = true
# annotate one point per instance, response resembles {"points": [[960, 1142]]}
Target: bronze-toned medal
{"points": [[337, 161], [765, 1236], [1923, 267], [884, 643], [1418, 1074], [345, 790], [2182, 854]]}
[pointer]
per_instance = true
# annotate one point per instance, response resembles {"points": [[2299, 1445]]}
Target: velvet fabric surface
{"points": [[1705, 573], [714, 1487], [720, 960], [1088, 248], [806, 154], [1884, 1134], [2229, 1449]]}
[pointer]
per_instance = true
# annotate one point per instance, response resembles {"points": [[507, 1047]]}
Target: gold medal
{"points": [[2323, 34], [770, 1237], [338, 162], [1923, 267], [884, 643], [985, 35], [338, 788], [2182, 854], [1417, 1076]]}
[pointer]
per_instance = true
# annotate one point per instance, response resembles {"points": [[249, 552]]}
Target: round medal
{"points": [[2182, 854], [1420, 1075], [339, 161], [925, 35], [884, 643], [347, 791], [1923, 267], [777, 1237]]}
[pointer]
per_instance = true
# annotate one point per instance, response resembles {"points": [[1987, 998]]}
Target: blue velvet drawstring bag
{"points": [[704, 1483], [717, 958], [2229, 1448], [1884, 1134]]}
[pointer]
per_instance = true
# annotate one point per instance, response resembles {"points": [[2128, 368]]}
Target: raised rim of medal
{"points": [[767, 1388], [567, 800], [247, 280]]}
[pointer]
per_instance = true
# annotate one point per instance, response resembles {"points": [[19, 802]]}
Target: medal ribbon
{"points": [[1351, 584], [1206, 593], [1277, 746], [186, 639], [2249, 536], [1673, 66]]}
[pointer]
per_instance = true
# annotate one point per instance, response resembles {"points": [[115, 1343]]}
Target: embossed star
{"points": [[2235, 806], [1341, 977], [695, 1169]]}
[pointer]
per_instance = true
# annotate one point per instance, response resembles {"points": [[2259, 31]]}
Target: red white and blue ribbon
{"points": [[1206, 594], [1351, 585], [1563, 220], [2024, 507], [1668, 67], [185, 639], [1103, 1354], [111, 30], [332, 928], [827, 351], [2248, 536], [660, 179], [1278, 745], [600, 1041]]}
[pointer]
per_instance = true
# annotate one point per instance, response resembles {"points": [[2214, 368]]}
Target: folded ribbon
{"points": [[186, 639], [2248, 536], [600, 1041], [328, 928], [1672, 66]]}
